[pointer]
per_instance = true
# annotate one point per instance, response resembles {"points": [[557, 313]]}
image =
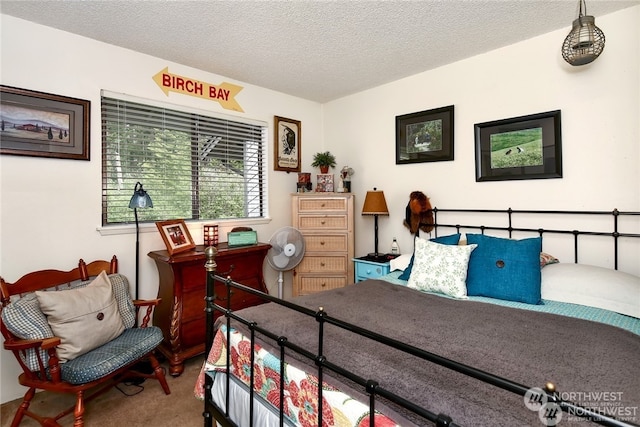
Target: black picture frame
{"points": [[287, 144], [425, 136], [525, 147], [39, 124]]}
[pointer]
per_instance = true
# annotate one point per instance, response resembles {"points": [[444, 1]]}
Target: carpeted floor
{"points": [[149, 407]]}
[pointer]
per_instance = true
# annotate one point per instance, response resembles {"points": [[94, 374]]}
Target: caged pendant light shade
{"points": [[585, 42]]}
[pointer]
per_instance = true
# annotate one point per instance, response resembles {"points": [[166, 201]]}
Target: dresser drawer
{"points": [[310, 285], [323, 222], [323, 264], [322, 204], [366, 270], [326, 242]]}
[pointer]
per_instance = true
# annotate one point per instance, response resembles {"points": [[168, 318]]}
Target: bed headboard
{"points": [[608, 239]]}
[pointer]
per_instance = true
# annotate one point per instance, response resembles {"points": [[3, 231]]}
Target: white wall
{"points": [[50, 209], [600, 107]]}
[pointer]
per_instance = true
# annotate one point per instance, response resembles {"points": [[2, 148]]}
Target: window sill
{"points": [[113, 230]]}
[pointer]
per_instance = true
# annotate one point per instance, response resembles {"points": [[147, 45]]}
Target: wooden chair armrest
{"points": [[150, 304], [20, 344], [20, 347], [146, 302]]}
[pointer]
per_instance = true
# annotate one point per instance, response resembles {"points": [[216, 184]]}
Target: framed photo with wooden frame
{"points": [[525, 147], [288, 138], [175, 235], [41, 124], [425, 136]]}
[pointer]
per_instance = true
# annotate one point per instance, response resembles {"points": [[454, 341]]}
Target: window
{"points": [[194, 166]]}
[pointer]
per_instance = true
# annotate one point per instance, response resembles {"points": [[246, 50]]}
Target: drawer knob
{"points": [[322, 264], [323, 285], [323, 222], [322, 243]]}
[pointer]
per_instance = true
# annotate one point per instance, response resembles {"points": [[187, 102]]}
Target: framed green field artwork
{"points": [[526, 147]]}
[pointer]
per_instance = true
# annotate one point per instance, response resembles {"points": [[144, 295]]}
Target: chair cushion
{"points": [[125, 304], [130, 346], [24, 319], [83, 318]]}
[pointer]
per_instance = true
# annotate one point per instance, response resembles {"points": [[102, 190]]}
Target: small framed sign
{"points": [[175, 235], [288, 138]]}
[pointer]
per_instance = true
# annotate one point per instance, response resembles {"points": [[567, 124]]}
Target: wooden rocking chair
{"points": [[29, 336]]}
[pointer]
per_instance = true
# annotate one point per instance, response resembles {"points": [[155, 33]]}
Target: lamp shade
{"points": [[375, 203], [585, 42], [140, 198]]}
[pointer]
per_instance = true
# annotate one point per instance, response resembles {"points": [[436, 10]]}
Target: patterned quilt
{"points": [[300, 388]]}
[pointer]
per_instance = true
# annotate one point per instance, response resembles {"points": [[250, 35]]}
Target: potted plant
{"points": [[324, 161]]}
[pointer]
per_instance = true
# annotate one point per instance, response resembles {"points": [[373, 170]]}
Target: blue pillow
{"points": [[505, 269], [452, 239]]}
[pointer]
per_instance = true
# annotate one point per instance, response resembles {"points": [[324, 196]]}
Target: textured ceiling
{"points": [[317, 50]]}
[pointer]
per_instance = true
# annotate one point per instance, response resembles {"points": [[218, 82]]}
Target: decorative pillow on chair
{"points": [[24, 319], [452, 239], [505, 269], [83, 318], [440, 268]]}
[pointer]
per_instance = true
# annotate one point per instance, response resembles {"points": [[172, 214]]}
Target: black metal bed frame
{"points": [[372, 388]]}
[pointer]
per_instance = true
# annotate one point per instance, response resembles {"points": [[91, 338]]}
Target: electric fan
{"points": [[287, 250]]}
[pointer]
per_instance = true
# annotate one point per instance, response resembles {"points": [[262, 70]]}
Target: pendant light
{"points": [[585, 42]]}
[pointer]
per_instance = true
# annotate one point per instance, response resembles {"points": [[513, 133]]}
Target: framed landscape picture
{"points": [[426, 136], [41, 124], [526, 147]]}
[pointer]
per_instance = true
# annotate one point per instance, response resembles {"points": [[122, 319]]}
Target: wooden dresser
{"points": [[182, 276], [326, 221]]}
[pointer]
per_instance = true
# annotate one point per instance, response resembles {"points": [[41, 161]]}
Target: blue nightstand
{"points": [[366, 269]]}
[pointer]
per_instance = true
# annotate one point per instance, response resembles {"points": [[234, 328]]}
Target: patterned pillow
{"points": [[440, 268], [505, 269], [24, 319], [452, 239], [125, 304], [546, 259]]}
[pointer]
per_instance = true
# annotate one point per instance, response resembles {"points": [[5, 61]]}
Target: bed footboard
{"points": [[543, 398]]}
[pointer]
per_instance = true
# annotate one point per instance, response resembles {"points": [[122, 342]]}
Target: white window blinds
{"points": [[193, 166]]}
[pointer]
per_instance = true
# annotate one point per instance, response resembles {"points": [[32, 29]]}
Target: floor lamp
{"points": [[139, 200], [375, 204]]}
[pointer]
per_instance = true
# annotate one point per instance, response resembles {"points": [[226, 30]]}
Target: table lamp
{"points": [[375, 204], [139, 200]]}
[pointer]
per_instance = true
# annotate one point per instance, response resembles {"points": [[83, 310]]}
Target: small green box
{"points": [[242, 238]]}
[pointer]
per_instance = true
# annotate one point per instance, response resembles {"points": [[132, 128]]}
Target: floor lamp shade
{"points": [[375, 204], [139, 200]]}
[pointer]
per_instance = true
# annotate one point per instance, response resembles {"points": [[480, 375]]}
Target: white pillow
{"points": [[83, 318], [440, 268], [400, 263], [593, 286]]}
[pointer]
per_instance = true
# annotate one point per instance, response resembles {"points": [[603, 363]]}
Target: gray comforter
{"points": [[598, 364]]}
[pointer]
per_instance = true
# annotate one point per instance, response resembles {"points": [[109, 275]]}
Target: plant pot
{"points": [[324, 169]]}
